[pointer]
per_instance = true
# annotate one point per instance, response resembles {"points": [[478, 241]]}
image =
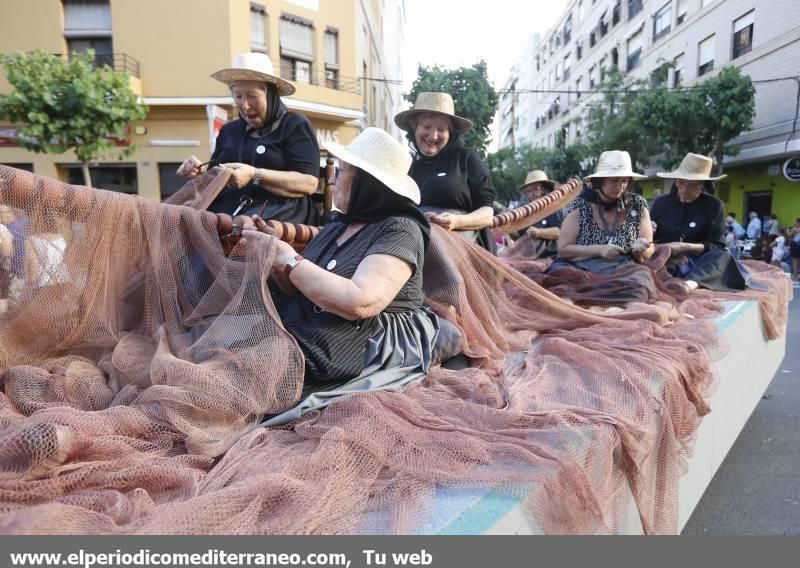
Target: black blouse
{"points": [[456, 178], [333, 346], [701, 221], [291, 147]]}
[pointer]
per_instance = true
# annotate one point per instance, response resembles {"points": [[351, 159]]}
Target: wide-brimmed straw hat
{"points": [[537, 176], [253, 67], [438, 103], [615, 163], [695, 167], [381, 156]]}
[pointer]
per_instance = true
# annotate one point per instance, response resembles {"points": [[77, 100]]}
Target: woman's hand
{"points": [[448, 221], [283, 251], [610, 252], [190, 167], [639, 248], [241, 176], [533, 232]]}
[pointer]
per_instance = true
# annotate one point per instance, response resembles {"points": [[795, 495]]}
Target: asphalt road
{"points": [[757, 488]]}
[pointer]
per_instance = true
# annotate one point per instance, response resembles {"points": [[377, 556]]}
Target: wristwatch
{"points": [[292, 263], [257, 176]]}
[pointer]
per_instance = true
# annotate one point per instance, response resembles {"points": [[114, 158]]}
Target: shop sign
{"points": [[791, 169], [217, 117], [327, 136]]}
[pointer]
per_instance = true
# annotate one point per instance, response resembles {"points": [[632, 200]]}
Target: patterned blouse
{"points": [[589, 233]]}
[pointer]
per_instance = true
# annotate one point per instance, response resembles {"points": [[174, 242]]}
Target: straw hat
{"points": [[537, 176], [615, 163], [253, 67], [694, 167], [380, 155], [439, 103]]}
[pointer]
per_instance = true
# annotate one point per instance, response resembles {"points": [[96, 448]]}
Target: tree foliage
{"points": [[509, 166], [473, 94], [68, 104], [703, 119]]}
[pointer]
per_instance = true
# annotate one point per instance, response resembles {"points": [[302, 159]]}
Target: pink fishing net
{"points": [[139, 360]]}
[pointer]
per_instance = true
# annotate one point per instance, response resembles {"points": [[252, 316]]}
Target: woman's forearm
{"points": [[478, 219], [579, 252], [550, 234], [288, 184], [335, 294]]}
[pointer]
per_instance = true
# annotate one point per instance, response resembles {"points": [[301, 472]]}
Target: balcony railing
{"points": [[323, 79], [117, 61]]}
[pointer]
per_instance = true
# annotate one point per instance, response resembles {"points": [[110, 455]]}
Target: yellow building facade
{"points": [[170, 47]]}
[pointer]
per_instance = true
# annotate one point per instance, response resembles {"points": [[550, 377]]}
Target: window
{"points": [[258, 33], [616, 13], [112, 177], [634, 50], [682, 12], [558, 71], [705, 56], [87, 25], [592, 39], [677, 76], [566, 66], [592, 76], [602, 66], [602, 25], [297, 48], [578, 87], [634, 7], [615, 57], [567, 30], [332, 58], [743, 34], [537, 63], [578, 51], [662, 21], [169, 180]]}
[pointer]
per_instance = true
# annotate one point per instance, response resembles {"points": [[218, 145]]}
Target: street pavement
{"points": [[757, 487]]}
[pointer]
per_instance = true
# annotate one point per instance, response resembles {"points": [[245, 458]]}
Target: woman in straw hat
{"points": [[608, 224], [273, 152], [456, 190], [354, 301], [691, 222], [543, 234]]}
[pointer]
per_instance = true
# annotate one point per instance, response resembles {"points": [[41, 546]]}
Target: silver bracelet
{"points": [[257, 177]]}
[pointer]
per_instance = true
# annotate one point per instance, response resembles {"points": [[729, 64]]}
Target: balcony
{"points": [[298, 72], [121, 62]]}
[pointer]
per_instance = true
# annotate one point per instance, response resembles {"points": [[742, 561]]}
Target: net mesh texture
{"points": [[138, 359]]}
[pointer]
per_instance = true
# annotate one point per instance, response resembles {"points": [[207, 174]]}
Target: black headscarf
{"points": [[592, 192], [371, 201], [275, 110]]}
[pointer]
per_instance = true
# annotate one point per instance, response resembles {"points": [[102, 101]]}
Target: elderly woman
{"points": [[543, 234], [456, 191], [608, 223], [354, 300], [692, 224], [273, 152], [605, 237]]}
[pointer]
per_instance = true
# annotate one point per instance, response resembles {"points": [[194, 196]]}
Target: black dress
{"points": [[336, 348], [455, 180], [700, 222], [290, 147]]}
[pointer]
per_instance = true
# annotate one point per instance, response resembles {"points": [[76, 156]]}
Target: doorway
{"points": [[758, 201]]}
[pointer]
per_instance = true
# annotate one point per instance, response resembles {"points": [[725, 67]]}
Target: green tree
{"points": [[614, 124], [67, 104], [509, 166], [703, 119], [473, 94]]}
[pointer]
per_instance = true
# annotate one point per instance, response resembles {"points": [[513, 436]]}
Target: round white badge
{"points": [[635, 213], [692, 224], [544, 222], [261, 149], [331, 264]]}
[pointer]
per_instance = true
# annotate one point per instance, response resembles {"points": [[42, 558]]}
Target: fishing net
{"points": [[139, 359]]}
